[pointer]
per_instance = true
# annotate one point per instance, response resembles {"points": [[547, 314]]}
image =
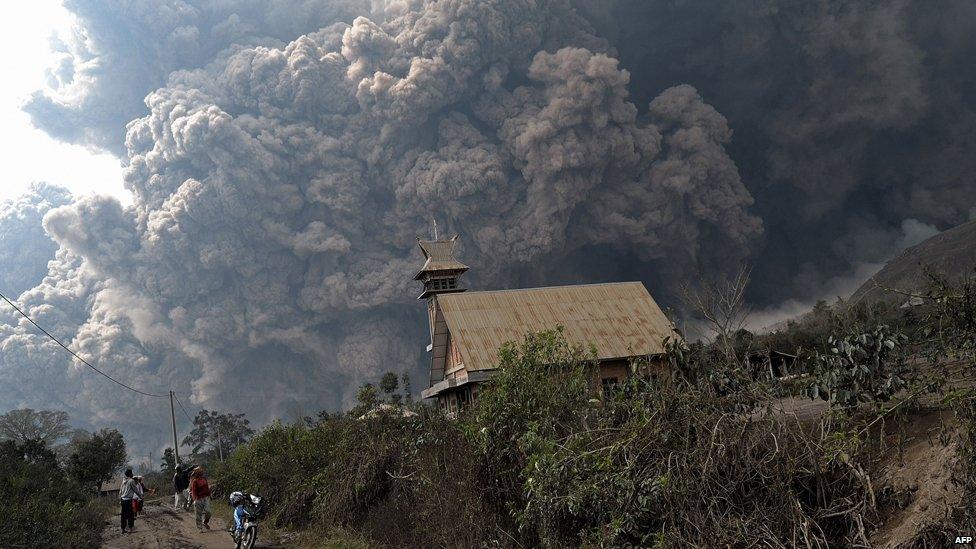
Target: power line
{"points": [[74, 354], [182, 408]]}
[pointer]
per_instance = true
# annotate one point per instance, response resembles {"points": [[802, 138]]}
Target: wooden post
{"points": [[220, 447], [176, 443]]}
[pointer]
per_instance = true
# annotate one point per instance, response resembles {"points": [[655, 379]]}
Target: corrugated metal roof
{"points": [[621, 320], [440, 255]]}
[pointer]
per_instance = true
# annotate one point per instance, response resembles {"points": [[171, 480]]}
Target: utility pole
{"points": [[220, 447], [172, 416]]}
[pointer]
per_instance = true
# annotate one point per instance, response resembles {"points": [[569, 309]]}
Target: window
{"points": [[609, 386], [442, 284]]}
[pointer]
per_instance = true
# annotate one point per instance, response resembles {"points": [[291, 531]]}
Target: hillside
{"points": [[951, 253]]}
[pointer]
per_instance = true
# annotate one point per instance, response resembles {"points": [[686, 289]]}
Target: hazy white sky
{"points": [[29, 154]]}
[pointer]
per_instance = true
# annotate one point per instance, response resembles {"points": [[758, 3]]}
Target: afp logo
{"points": [[964, 540]]}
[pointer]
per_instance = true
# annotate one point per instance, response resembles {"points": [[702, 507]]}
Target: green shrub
{"points": [[540, 461], [43, 506], [539, 393], [398, 481], [860, 367], [660, 463]]}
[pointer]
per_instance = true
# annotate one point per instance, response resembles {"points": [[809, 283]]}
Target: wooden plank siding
{"points": [[438, 347]]}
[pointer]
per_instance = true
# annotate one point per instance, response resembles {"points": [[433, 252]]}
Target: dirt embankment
{"points": [[914, 483], [917, 476]]}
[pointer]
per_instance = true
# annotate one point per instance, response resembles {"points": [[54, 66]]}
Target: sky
{"points": [[32, 155]]}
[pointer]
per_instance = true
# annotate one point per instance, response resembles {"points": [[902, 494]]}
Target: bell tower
{"points": [[440, 274]]}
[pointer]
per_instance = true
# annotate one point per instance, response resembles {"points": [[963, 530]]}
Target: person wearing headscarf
{"points": [[200, 493]]}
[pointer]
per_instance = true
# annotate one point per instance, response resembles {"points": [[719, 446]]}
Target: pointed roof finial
{"points": [[435, 229], [439, 255]]}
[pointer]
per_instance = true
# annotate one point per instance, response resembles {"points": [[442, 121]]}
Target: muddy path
{"points": [[161, 526]]}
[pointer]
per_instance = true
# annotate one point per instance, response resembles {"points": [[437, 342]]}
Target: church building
{"points": [[467, 329]]}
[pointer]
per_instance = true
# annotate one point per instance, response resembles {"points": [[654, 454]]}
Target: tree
{"points": [[168, 464], [43, 507], [540, 388], [407, 388], [389, 383], [35, 452], [217, 435], [721, 305], [387, 391], [367, 397], [48, 426], [69, 442], [96, 460]]}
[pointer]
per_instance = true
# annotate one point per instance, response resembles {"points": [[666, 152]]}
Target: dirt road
{"points": [[160, 526]]}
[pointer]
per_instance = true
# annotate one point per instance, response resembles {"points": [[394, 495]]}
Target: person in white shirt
{"points": [[129, 491]]}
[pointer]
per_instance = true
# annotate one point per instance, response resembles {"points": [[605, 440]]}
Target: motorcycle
{"points": [[253, 511]]}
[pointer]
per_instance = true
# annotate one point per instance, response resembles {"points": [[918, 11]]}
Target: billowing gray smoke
{"points": [[122, 49], [850, 117], [284, 155], [25, 248], [278, 191]]}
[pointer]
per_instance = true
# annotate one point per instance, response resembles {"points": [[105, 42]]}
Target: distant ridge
{"points": [[951, 253]]}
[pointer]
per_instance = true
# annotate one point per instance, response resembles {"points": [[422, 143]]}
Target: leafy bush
{"points": [[539, 394], [860, 367], [949, 328], [950, 322], [399, 481], [539, 461], [43, 506], [697, 365], [658, 464]]}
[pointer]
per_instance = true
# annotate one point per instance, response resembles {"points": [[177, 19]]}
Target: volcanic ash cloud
{"points": [[269, 252]]}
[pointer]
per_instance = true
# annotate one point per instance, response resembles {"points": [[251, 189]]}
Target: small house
{"points": [[772, 364], [110, 488], [621, 320]]}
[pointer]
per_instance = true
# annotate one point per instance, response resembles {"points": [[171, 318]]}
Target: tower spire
{"points": [[441, 272]]}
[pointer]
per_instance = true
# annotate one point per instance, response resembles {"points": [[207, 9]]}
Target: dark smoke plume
{"points": [[850, 117], [278, 190], [284, 155], [122, 49]]}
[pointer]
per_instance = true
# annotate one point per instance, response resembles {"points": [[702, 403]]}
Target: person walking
{"points": [[129, 491], [200, 493], [181, 483], [137, 502]]}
